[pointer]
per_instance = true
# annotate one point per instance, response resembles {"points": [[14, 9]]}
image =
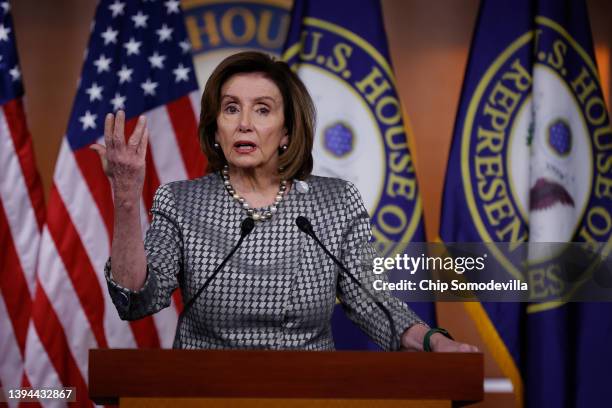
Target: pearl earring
{"points": [[216, 145]]}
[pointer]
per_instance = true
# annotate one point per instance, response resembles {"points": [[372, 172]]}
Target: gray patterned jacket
{"points": [[279, 289]]}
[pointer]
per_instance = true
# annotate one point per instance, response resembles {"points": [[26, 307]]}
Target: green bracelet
{"points": [[431, 332]]}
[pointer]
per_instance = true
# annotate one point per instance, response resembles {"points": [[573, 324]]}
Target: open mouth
{"points": [[244, 146]]}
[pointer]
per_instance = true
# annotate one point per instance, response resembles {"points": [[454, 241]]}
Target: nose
{"points": [[245, 124]]}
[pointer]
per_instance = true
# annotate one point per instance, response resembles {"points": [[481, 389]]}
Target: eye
{"points": [[231, 108], [263, 110]]}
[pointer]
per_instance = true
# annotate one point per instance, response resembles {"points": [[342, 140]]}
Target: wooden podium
{"points": [[169, 378]]}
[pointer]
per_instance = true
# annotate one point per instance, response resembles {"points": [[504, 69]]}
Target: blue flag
{"points": [[530, 162], [361, 134]]}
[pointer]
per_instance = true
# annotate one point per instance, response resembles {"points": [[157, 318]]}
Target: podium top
{"points": [[283, 374]]}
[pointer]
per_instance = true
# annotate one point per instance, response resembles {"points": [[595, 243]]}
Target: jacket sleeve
{"points": [[357, 254], [163, 249]]}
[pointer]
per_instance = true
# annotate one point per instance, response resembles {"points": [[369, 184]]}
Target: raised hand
{"points": [[124, 163]]}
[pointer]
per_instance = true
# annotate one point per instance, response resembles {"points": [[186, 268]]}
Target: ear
{"points": [[284, 140]]}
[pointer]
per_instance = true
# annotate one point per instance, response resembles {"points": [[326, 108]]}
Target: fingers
{"points": [[101, 150], [464, 348], [109, 121], [118, 139], [447, 345], [144, 142], [139, 131], [98, 148], [468, 348]]}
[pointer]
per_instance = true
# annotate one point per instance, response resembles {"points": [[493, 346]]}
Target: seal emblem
{"points": [[535, 154], [218, 29], [361, 134]]}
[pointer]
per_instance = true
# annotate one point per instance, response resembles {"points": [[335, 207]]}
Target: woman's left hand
{"points": [[412, 340], [443, 344]]}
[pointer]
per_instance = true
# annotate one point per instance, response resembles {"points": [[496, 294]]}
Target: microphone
{"points": [[246, 226], [305, 226]]}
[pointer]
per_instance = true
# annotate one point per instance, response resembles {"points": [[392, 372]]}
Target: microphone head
{"points": [[247, 226], [303, 224]]}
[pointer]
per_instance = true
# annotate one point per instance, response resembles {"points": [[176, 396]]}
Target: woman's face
{"points": [[250, 125]]}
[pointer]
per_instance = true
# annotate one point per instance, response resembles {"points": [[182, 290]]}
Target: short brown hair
{"points": [[299, 111]]}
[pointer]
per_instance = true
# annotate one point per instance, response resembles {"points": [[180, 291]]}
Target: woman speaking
{"points": [[249, 275]]}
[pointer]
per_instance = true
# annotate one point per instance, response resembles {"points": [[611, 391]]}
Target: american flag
{"points": [[139, 60], [21, 213]]}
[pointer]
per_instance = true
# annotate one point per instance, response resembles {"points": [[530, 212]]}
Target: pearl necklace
{"points": [[253, 213]]}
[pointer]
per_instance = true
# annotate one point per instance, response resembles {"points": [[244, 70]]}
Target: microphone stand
{"points": [[305, 226], [246, 227]]}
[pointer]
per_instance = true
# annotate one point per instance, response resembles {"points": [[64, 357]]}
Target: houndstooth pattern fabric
{"points": [[279, 289]]}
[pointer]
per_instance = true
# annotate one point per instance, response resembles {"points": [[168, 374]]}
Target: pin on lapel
{"points": [[302, 186]]}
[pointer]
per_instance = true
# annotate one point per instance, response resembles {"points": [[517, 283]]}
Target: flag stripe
{"points": [[93, 173], [145, 332], [41, 371], [25, 383], [19, 234], [80, 204], [77, 264], [13, 285], [151, 181], [144, 218], [183, 120], [165, 154], [56, 345], [64, 299], [14, 118], [195, 97], [20, 216], [165, 321], [177, 298], [11, 360]]}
